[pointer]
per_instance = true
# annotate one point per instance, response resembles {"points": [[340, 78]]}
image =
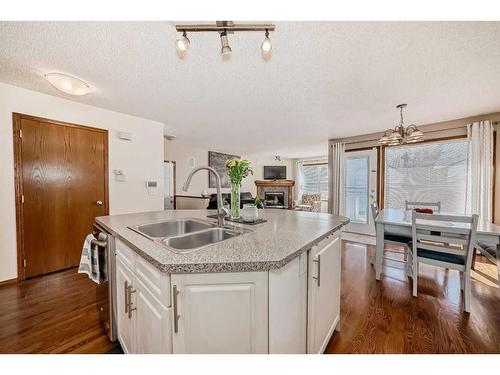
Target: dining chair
{"points": [[392, 238], [435, 206], [491, 253], [452, 247]]}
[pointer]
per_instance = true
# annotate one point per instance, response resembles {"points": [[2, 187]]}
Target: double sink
{"points": [[186, 235]]}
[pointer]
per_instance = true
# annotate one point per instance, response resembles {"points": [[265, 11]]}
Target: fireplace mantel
{"points": [[287, 185], [275, 183]]}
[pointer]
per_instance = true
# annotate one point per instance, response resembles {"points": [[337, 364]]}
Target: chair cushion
{"points": [[310, 198], [443, 257], [396, 238]]}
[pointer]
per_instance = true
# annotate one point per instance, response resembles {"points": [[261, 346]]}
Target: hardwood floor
{"points": [[383, 317], [57, 313]]}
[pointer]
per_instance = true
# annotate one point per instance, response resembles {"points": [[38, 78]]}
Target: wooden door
{"points": [[324, 293], [222, 313], [126, 321], [61, 172]]}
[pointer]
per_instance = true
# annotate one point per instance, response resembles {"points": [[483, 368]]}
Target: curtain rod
{"points": [[376, 138]]}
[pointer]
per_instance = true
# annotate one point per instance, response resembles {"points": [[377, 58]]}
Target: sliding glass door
{"points": [[360, 190]]}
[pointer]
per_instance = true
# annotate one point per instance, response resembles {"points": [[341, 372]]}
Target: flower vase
{"points": [[235, 201]]}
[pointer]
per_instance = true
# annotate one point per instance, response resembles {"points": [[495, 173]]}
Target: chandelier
{"points": [[223, 28], [401, 134]]}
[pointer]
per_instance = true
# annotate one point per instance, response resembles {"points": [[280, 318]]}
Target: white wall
{"points": [[181, 152], [141, 159]]}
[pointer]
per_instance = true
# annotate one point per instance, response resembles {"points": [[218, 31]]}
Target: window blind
{"points": [[314, 180], [427, 172]]}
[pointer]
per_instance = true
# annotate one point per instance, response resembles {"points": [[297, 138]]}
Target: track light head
{"points": [[266, 44], [225, 50], [182, 44]]}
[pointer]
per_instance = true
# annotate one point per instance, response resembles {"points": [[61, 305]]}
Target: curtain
{"points": [[298, 181], [336, 153], [480, 170]]}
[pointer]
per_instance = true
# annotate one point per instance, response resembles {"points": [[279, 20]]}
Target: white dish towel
{"points": [[89, 262]]}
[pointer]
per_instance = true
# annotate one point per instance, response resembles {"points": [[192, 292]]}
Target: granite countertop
{"points": [[266, 246]]}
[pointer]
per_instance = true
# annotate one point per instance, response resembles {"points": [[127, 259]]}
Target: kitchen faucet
{"points": [[221, 212]]}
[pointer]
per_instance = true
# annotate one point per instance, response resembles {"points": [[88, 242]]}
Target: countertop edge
{"points": [[214, 267]]}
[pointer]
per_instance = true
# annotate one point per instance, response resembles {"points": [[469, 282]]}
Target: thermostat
{"points": [[126, 136]]}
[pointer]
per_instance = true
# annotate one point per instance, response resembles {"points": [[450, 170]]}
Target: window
{"points": [[314, 180], [427, 172]]}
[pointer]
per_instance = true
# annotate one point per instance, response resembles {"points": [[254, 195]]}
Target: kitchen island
{"points": [[273, 287]]}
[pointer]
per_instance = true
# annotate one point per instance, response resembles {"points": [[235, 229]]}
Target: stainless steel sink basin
{"points": [[185, 235], [172, 228], [199, 239]]}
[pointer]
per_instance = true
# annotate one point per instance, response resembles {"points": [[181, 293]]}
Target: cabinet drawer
{"points": [[158, 283], [126, 254]]}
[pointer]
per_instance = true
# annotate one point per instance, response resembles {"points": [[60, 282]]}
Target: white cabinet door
{"points": [[288, 307], [220, 313], [126, 324], [324, 293], [153, 322]]}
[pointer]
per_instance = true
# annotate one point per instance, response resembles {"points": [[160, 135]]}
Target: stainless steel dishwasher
{"points": [[106, 289]]}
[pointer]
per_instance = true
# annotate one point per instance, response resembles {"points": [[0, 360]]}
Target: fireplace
{"points": [[275, 193], [274, 199]]}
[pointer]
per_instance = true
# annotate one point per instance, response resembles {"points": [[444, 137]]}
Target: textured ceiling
{"points": [[324, 80]]}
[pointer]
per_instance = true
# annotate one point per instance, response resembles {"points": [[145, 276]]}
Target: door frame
{"points": [[375, 190], [18, 164]]}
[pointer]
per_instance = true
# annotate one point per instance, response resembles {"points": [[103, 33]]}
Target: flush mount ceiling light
{"points": [[401, 134], [68, 84], [224, 28]]}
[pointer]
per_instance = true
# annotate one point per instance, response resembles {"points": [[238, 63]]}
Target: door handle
{"points": [[176, 315], [99, 203], [318, 277]]}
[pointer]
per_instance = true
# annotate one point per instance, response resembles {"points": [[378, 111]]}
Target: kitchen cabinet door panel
{"points": [[221, 313], [324, 293], [153, 323], [126, 325]]}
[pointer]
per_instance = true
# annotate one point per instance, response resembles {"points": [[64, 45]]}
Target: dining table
{"points": [[397, 221]]}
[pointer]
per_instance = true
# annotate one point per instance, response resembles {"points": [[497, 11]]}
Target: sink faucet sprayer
{"points": [[221, 212]]}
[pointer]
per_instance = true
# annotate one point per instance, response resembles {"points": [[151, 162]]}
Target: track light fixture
{"points": [[266, 44], [225, 50], [182, 44], [224, 28]]}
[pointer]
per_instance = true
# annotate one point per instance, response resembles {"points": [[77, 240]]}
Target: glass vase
{"points": [[235, 201]]}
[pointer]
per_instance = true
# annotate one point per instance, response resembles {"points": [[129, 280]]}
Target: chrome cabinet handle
{"points": [[99, 203], [130, 308], [176, 315], [318, 278], [126, 296]]}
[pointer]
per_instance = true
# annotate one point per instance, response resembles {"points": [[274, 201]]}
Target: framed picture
{"points": [[217, 161]]}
